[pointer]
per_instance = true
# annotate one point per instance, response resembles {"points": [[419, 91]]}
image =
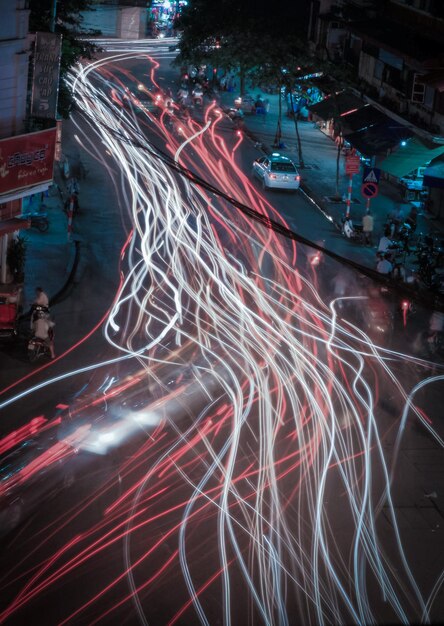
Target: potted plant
{"points": [[16, 258]]}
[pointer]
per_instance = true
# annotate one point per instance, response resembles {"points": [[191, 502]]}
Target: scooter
{"points": [[40, 222], [37, 349]]}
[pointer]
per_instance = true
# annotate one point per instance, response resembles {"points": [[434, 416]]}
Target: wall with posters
{"points": [[45, 84]]}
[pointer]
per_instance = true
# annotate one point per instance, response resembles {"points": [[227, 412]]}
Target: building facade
{"points": [[26, 158], [396, 53]]}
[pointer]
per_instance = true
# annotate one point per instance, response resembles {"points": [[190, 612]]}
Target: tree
{"points": [[343, 77], [74, 47], [285, 63], [229, 34]]}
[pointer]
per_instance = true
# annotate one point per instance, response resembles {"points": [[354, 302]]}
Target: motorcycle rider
{"points": [[40, 303], [436, 326], [384, 266], [347, 228], [43, 329], [197, 95], [384, 242]]}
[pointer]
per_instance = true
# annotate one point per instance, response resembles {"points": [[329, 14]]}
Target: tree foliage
{"points": [[245, 35], [74, 46]]}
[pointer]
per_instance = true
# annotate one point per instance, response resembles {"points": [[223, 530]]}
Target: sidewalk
{"points": [[318, 177], [50, 256]]}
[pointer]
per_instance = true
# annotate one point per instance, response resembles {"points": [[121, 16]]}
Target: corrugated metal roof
{"points": [[376, 140], [361, 119], [416, 153], [333, 106]]}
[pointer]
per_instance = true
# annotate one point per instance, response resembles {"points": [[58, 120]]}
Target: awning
{"points": [[10, 226], [361, 119], [332, 106], [23, 193], [416, 153], [376, 140], [434, 175]]}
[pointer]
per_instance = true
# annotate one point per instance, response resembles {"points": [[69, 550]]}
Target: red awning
{"points": [[10, 226]]}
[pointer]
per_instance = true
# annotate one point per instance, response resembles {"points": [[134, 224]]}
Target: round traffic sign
{"points": [[369, 190]]}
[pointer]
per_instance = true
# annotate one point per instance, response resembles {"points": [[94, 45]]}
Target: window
{"points": [[370, 49], [429, 97], [391, 59], [283, 167], [418, 90], [377, 72], [437, 8], [392, 77]]}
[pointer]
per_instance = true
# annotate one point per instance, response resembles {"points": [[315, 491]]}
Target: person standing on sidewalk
{"points": [[41, 299], [367, 228]]}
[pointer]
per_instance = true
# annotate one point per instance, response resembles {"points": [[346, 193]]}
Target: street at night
{"points": [[238, 427]]}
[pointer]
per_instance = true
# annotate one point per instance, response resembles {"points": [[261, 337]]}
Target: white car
{"points": [[277, 172]]}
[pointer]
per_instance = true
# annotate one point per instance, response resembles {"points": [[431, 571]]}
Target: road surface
{"points": [[251, 438]]}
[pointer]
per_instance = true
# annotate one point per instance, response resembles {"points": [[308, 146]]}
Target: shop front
{"points": [[26, 169]]}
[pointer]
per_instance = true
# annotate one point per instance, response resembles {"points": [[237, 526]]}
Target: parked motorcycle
{"points": [[351, 231], [40, 222]]}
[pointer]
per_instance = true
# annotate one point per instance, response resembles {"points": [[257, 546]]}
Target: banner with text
{"points": [[26, 160], [45, 86]]}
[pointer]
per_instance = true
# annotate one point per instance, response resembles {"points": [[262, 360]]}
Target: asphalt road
{"points": [[234, 443]]}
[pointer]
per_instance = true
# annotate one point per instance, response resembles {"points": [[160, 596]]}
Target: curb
{"points": [[428, 298], [70, 271], [307, 190]]}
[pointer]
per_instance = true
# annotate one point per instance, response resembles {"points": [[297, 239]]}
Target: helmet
{"points": [[41, 314]]}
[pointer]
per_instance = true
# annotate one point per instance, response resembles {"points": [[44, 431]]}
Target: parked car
{"points": [[277, 172]]}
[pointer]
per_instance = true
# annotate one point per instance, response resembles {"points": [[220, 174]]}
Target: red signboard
{"points": [[352, 164], [26, 160]]}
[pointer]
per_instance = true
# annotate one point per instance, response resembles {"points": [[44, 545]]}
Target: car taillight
{"points": [[297, 177], [273, 176]]}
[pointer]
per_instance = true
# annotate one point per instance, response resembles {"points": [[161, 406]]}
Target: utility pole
{"points": [[53, 16]]}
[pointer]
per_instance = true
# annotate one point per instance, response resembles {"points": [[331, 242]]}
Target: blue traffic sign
{"points": [[371, 175]]}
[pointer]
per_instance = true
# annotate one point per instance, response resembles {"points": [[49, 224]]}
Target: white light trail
{"points": [[294, 390]]}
